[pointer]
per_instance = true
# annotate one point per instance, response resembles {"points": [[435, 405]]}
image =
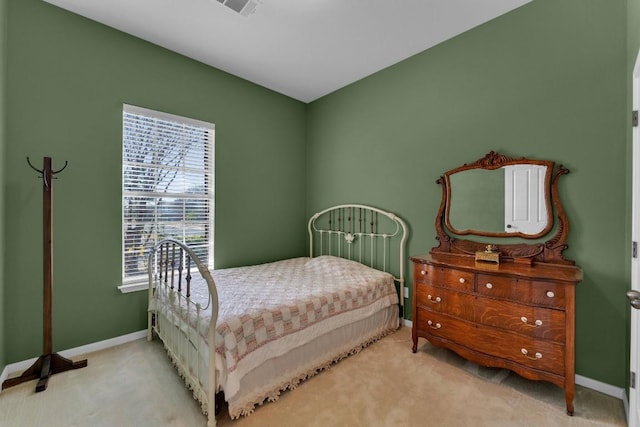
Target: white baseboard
{"points": [[73, 352], [4, 375], [604, 388], [625, 402]]}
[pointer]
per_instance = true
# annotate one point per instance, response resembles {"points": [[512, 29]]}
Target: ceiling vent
{"points": [[243, 7]]}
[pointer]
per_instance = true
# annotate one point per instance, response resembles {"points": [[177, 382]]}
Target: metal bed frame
{"points": [[357, 232]]}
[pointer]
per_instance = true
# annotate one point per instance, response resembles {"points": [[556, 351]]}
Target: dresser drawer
{"points": [[445, 300], [537, 322], [537, 354], [446, 277], [522, 290], [530, 352]]}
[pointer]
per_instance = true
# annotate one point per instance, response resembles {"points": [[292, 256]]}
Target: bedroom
{"points": [[548, 80]]}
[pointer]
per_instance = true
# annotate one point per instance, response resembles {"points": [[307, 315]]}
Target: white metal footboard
{"points": [[170, 267]]}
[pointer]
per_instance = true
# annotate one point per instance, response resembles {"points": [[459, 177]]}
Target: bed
{"points": [[267, 327]]}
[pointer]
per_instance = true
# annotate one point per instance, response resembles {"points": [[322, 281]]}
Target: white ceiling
{"points": [[304, 49]]}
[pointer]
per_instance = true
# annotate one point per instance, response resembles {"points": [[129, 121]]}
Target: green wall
{"points": [[547, 81], [68, 78], [3, 67], [481, 191]]}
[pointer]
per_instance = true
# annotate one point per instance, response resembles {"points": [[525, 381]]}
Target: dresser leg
{"points": [[569, 398], [415, 344]]}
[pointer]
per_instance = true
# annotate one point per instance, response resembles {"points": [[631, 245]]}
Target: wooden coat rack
{"points": [[48, 363]]}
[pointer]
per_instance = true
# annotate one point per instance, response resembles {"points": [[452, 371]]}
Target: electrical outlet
{"points": [[406, 292]]}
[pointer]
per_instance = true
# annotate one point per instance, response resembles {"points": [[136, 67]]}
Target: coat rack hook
{"points": [[60, 170], [36, 169]]}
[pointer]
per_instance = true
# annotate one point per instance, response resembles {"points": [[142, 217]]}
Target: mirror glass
{"points": [[512, 200]]}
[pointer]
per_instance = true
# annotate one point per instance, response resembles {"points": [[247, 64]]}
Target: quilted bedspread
{"points": [[264, 307]]}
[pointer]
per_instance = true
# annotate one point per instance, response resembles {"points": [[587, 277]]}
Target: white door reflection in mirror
{"points": [[525, 210]]}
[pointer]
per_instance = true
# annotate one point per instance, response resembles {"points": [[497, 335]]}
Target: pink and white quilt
{"points": [[268, 309]]}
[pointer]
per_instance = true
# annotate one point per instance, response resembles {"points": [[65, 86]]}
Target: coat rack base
{"points": [[43, 368]]}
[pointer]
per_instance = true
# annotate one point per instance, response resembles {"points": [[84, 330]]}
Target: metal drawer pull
{"points": [[435, 300], [550, 294], [537, 323], [489, 285], [423, 272], [437, 326], [461, 280], [526, 354]]}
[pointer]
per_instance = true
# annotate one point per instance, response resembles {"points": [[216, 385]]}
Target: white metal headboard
{"points": [[361, 233]]}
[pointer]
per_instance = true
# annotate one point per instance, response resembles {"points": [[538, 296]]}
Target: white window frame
{"points": [[138, 283]]}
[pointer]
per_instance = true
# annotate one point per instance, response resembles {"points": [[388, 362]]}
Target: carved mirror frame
{"points": [[549, 251]]}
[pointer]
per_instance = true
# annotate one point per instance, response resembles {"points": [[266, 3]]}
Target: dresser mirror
{"points": [[503, 197]]}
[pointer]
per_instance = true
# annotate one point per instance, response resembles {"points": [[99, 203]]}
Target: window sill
{"points": [[133, 287]]}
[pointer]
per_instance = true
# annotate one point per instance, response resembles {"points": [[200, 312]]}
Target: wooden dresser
{"points": [[506, 297], [509, 315]]}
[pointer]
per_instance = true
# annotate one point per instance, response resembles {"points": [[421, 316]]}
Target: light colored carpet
{"points": [[384, 385]]}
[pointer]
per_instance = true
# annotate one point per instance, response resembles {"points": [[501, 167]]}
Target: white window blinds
{"points": [[167, 186]]}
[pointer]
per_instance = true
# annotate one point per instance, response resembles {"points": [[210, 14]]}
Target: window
{"points": [[167, 187]]}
